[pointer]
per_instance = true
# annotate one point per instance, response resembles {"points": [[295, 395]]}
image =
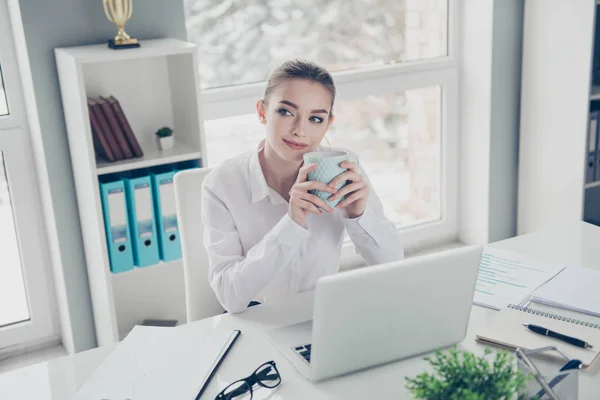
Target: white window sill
{"points": [[32, 356], [352, 260]]}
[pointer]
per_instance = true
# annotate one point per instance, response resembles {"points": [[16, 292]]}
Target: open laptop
{"points": [[382, 313]]}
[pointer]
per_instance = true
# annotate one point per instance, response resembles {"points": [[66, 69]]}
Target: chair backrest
{"points": [[200, 299]]}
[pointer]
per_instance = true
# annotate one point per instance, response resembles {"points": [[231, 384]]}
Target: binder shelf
{"points": [[156, 85]]}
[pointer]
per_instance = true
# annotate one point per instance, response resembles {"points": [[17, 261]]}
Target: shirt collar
{"points": [[258, 184]]}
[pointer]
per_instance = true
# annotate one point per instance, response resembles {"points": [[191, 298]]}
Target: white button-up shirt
{"points": [[257, 252]]}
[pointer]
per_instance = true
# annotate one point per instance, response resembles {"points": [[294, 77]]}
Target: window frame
{"points": [[352, 84], [15, 142]]}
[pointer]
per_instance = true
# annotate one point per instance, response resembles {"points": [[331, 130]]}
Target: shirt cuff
{"points": [[289, 233], [363, 224]]}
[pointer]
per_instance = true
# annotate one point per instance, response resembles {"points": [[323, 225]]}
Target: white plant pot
{"points": [[165, 143]]}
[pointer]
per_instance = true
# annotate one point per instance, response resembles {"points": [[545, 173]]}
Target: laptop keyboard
{"points": [[304, 351]]}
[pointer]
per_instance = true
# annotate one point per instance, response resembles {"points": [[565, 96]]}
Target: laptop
{"points": [[378, 314]]}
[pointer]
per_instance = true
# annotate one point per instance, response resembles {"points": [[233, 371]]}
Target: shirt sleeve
{"points": [[236, 279], [374, 236]]}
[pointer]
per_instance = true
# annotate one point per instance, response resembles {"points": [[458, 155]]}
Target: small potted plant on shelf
{"points": [[461, 375], [164, 138]]}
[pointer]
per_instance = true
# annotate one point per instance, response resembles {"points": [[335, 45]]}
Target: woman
{"points": [[266, 236]]}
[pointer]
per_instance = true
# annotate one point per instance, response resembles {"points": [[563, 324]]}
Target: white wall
{"points": [[490, 85], [504, 126]]}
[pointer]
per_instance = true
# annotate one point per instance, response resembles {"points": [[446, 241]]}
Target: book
{"points": [[125, 127], [574, 289], [100, 142], [157, 363], [115, 128], [104, 129], [506, 330]]}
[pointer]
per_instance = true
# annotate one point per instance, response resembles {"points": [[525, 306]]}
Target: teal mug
{"points": [[328, 167]]}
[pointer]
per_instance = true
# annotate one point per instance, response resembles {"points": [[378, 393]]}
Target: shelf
{"points": [[153, 292], [100, 53], [595, 95], [592, 185], [180, 152]]}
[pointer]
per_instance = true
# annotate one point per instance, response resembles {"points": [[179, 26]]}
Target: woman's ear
{"points": [[261, 111]]}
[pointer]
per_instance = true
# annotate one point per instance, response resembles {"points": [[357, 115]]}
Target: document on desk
{"points": [[574, 289], [507, 278], [157, 363]]}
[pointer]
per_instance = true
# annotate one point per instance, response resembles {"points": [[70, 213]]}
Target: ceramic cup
{"points": [[328, 168]]}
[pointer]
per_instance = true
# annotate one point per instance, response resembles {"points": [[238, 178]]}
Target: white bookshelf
{"points": [[157, 85]]}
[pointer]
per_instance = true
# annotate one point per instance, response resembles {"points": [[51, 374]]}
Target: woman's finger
{"points": [[304, 170], [346, 176], [308, 206], [353, 187], [311, 198], [352, 198], [314, 185], [351, 165]]}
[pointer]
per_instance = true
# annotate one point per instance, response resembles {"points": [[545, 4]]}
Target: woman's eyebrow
{"points": [[289, 103]]}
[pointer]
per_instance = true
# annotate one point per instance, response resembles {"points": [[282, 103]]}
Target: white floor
{"points": [[35, 357]]}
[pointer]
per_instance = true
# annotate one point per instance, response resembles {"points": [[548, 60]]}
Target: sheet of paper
{"points": [[507, 278], [575, 289], [157, 363]]}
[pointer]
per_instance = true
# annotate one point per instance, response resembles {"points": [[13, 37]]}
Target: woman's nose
{"points": [[298, 129]]}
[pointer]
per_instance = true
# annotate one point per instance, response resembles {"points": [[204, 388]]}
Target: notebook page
{"points": [[506, 329], [157, 363], [506, 278], [575, 289]]}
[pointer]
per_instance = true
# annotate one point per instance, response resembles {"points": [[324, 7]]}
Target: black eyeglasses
{"points": [[266, 376]]}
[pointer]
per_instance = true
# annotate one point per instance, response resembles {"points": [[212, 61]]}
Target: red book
{"points": [[104, 129], [100, 143], [115, 128], [125, 127]]}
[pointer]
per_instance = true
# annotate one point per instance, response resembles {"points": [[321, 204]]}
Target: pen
{"points": [[547, 332]]}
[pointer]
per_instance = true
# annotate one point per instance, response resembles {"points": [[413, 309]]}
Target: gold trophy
{"points": [[118, 12]]}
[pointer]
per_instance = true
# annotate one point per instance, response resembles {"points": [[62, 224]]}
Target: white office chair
{"points": [[200, 299]]}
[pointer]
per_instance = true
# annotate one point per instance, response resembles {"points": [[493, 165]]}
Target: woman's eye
{"points": [[316, 119], [283, 111]]}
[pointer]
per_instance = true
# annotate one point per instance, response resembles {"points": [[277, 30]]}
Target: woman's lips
{"points": [[295, 145]]}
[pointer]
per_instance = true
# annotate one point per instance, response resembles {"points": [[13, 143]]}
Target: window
{"points": [[26, 307], [3, 103], [12, 286], [397, 81]]}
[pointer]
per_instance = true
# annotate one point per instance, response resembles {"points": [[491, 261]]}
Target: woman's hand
{"points": [[302, 202], [356, 191]]}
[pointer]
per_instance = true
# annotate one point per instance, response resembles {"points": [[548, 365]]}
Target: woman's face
{"points": [[296, 118]]}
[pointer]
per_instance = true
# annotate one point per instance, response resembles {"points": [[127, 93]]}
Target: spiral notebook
{"points": [[506, 329]]}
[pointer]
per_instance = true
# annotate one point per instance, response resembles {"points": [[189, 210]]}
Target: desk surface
{"points": [[572, 244]]}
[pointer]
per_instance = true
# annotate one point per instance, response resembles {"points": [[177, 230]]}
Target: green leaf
{"points": [[460, 375]]}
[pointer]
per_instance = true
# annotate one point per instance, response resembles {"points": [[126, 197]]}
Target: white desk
{"points": [[573, 244]]}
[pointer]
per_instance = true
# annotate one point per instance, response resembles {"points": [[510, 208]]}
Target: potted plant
{"points": [[460, 375], [164, 138]]}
